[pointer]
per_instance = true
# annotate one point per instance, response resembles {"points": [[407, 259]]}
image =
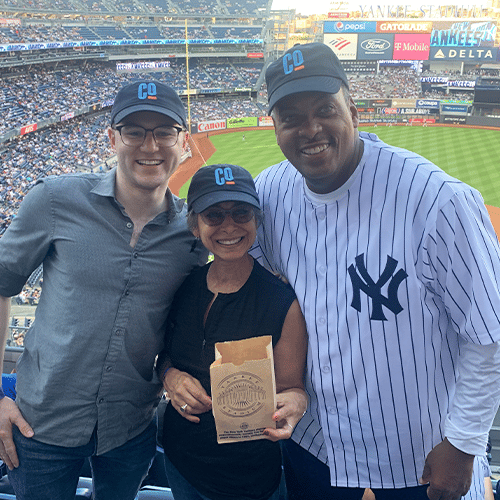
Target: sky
{"points": [[308, 7]]}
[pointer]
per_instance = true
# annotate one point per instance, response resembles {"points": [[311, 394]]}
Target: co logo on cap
{"points": [[224, 176], [293, 61], [146, 90]]}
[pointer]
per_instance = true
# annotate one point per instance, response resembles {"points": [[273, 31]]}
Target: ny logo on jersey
{"points": [[364, 282]]}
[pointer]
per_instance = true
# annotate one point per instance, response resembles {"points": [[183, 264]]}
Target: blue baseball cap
{"points": [[218, 183], [148, 95], [312, 67]]}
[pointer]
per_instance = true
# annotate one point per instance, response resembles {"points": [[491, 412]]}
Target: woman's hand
{"points": [[292, 404], [186, 394]]}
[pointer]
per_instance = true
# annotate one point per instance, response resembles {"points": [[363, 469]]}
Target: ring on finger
{"points": [[289, 425], [183, 407]]}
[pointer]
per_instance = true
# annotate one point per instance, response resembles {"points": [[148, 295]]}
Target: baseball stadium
{"points": [[426, 79]]}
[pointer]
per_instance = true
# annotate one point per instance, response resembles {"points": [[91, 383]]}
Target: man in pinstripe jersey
{"points": [[396, 267]]}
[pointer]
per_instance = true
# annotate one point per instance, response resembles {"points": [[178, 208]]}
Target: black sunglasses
{"points": [[215, 216]]}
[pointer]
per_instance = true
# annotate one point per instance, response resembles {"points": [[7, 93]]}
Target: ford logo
{"points": [[375, 44]]}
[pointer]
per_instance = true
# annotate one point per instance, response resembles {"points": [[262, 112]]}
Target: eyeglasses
{"points": [[214, 216], [135, 135]]}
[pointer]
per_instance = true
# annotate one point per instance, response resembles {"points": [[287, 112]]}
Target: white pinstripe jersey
{"points": [[481, 470], [386, 274]]}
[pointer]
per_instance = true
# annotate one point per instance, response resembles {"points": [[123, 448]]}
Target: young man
{"points": [[396, 267], [114, 248]]}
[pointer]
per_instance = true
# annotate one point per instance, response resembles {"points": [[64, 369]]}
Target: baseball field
{"points": [[471, 155]]}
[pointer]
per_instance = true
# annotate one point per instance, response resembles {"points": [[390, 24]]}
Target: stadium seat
{"points": [[84, 488], [155, 493]]}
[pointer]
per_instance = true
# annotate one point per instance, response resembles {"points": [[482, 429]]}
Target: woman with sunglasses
{"points": [[231, 298]]}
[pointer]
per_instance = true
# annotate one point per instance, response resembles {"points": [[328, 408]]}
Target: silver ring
{"points": [[183, 407], [288, 425]]}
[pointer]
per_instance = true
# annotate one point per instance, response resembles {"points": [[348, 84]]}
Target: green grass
{"points": [[471, 155]]}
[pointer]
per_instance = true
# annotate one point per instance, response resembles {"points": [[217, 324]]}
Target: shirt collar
{"points": [[106, 187]]}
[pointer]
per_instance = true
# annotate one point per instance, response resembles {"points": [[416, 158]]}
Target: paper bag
{"points": [[243, 389]]}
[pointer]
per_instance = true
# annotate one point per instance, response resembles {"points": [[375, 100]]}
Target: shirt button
{"points": [[127, 292], [136, 255], [322, 269], [129, 225], [101, 400], [109, 368], [321, 321], [321, 216], [325, 369], [118, 331], [331, 410]]}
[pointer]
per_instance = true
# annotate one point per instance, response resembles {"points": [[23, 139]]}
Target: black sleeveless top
{"points": [[236, 471]]}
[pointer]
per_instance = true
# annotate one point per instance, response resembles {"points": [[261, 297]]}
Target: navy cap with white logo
{"points": [[312, 67], [148, 95], [218, 183]]}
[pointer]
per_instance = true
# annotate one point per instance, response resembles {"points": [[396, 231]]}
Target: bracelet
{"points": [[164, 373], [2, 394]]}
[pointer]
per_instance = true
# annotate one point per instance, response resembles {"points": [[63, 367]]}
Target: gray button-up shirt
{"points": [[89, 356]]}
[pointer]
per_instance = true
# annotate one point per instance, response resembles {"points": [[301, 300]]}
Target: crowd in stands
{"points": [[34, 97], [48, 33], [27, 99], [198, 7]]}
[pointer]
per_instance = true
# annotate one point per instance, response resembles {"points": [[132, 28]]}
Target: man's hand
{"points": [[448, 471], [10, 415]]}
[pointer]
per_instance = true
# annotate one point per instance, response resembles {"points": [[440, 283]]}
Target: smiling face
{"points": [[318, 133], [147, 167], [229, 241]]}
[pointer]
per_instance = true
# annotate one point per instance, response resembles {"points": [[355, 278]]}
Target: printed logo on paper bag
{"points": [[241, 395]]}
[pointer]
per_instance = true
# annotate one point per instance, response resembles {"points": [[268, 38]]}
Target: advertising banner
{"points": [[255, 55], [463, 34], [415, 111], [68, 116], [211, 125], [338, 15], [427, 103], [389, 111], [381, 102], [463, 54], [414, 47], [454, 119], [265, 121], [362, 104], [404, 103], [375, 46], [434, 79], [451, 108], [470, 84], [28, 128], [349, 27], [10, 22], [404, 27], [248, 121], [344, 46]]}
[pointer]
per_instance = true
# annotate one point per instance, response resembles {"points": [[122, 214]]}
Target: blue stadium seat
{"points": [[155, 493], [84, 488]]}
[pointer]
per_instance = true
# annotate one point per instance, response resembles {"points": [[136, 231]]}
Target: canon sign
{"points": [[375, 44], [213, 125]]}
